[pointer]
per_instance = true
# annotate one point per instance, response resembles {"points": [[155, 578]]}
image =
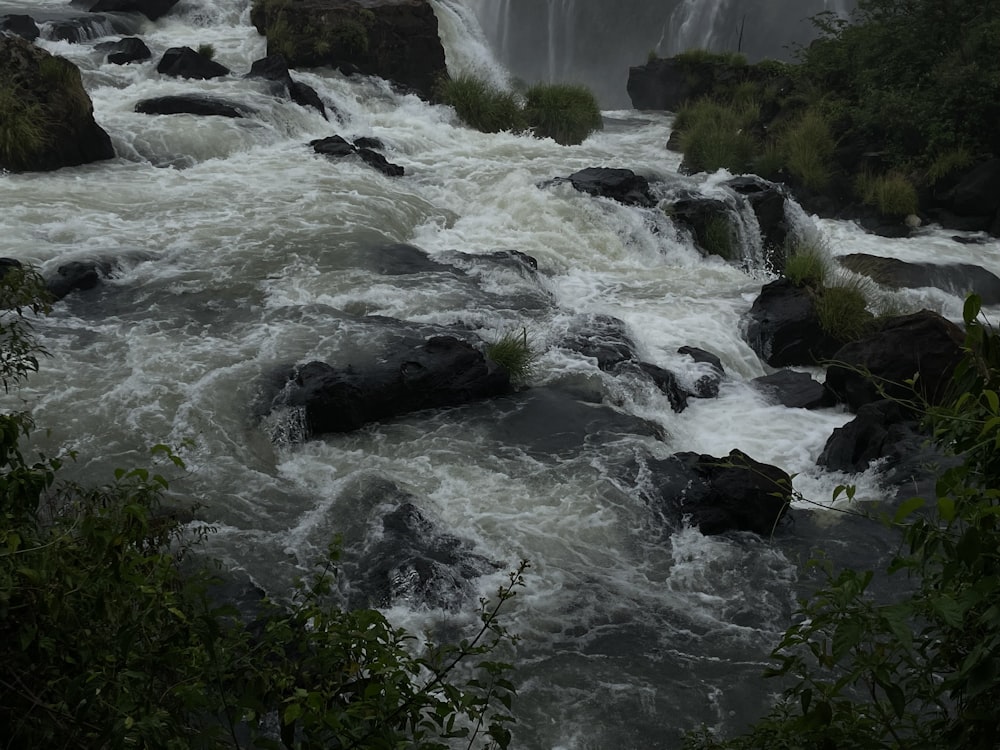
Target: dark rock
{"points": [[379, 162], [664, 380], [395, 39], [20, 25], [375, 144], [333, 145], [622, 185], [978, 191], [306, 96], [7, 265], [768, 203], [735, 493], [702, 217], [61, 111], [78, 29], [152, 9], [707, 386], [956, 278], [400, 259], [442, 371], [783, 327], [668, 83], [271, 68], [191, 104], [76, 276], [128, 50], [602, 337], [923, 345], [797, 390], [184, 62], [878, 427]]}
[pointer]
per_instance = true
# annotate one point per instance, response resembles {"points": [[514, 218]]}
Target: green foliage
{"points": [[891, 194], [920, 670], [482, 106], [206, 50], [109, 641], [566, 113], [807, 264], [715, 135], [22, 127], [702, 56], [949, 162], [808, 146], [514, 353], [843, 310], [718, 237]]}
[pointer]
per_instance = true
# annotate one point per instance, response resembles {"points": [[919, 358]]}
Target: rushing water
{"points": [[237, 251]]}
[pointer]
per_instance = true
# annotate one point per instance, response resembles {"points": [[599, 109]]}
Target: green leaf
{"points": [[907, 507]]}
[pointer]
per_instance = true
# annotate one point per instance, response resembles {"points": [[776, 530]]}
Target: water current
{"points": [[237, 251]]}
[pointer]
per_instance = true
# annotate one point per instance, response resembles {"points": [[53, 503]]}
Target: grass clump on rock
{"points": [[890, 194], [807, 265], [809, 146], [22, 128], [513, 352], [481, 105], [566, 113], [716, 135]]}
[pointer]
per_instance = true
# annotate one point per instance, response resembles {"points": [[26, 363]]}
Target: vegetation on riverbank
{"points": [[110, 638], [875, 112], [923, 669]]}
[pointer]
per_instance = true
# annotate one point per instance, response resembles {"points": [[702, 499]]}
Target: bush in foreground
{"points": [[107, 641], [921, 670]]}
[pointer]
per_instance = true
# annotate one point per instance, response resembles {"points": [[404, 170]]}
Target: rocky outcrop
{"points": [[956, 278], [783, 327], [191, 104], [19, 24], [911, 356], [796, 390], [622, 185], [184, 62], [152, 9], [337, 146], [442, 371], [128, 50], [733, 493], [395, 39], [48, 116], [667, 83], [970, 201], [275, 68]]}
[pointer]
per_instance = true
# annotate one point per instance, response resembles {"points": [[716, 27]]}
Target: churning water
{"points": [[238, 251]]}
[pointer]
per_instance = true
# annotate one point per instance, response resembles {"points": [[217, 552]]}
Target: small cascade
{"points": [[466, 47], [697, 24], [78, 29]]}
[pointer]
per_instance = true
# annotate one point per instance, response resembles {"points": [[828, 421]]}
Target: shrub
{"points": [[566, 113], [948, 163], [808, 147], [716, 135], [843, 310], [807, 264], [206, 50], [890, 194], [718, 237], [482, 106], [514, 353], [919, 670], [22, 128]]}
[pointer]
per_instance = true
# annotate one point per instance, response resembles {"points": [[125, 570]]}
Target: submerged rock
{"points": [[395, 39], [49, 120], [191, 104], [338, 146], [442, 371], [275, 68], [733, 493], [706, 386], [622, 185], [77, 276], [956, 278]]}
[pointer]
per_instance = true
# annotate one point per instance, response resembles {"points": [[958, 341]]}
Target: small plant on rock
{"points": [[514, 353], [807, 264], [890, 194], [566, 113], [481, 105]]}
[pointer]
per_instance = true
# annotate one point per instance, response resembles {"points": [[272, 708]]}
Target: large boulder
{"points": [[442, 371], [783, 327], [733, 493], [957, 278], [911, 356], [152, 9], [796, 390], [184, 62], [622, 185], [128, 50], [48, 118], [395, 39], [20, 25]]}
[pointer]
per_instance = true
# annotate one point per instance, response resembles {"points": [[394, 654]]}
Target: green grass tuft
{"points": [[843, 309], [702, 56], [482, 106], [716, 135], [808, 146], [206, 50], [807, 265], [514, 353], [718, 237], [890, 194], [566, 113], [22, 129]]}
